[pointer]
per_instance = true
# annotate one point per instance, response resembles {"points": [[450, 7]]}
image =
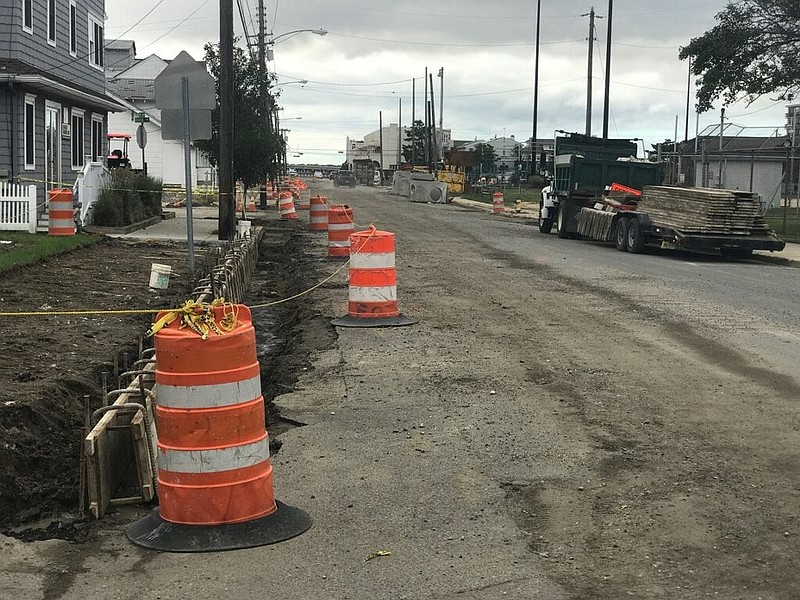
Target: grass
{"points": [[27, 248], [510, 195], [791, 233]]}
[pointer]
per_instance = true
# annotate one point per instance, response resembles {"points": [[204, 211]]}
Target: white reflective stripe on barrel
{"points": [[334, 244], [213, 460], [373, 294], [209, 396], [372, 260], [340, 226], [61, 223]]}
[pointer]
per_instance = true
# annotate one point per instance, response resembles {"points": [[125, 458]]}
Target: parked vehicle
{"points": [[317, 175], [584, 167], [601, 191], [344, 177], [118, 151]]}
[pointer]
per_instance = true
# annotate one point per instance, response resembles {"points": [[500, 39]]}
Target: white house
{"points": [[131, 82]]}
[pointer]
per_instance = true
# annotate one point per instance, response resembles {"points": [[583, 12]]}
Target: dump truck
{"points": [[584, 167], [602, 191]]}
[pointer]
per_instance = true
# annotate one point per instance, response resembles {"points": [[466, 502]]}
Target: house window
{"points": [[76, 134], [97, 138], [30, 132], [95, 42], [51, 22], [73, 29], [27, 15]]}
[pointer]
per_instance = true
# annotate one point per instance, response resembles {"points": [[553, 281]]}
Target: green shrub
{"points": [[125, 198]]}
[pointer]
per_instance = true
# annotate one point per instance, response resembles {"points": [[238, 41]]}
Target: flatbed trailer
{"points": [[632, 231]]}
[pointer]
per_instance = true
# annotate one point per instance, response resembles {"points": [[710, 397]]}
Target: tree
{"points": [[753, 50], [256, 145], [416, 138], [486, 157]]}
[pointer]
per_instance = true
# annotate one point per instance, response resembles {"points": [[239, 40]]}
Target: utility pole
{"points": [[266, 101], [441, 98], [536, 87], [688, 100], [592, 15], [427, 122], [227, 217], [435, 152], [413, 120], [721, 130], [380, 138], [399, 133], [607, 95]]}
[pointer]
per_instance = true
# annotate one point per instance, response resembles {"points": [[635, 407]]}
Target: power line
{"points": [[105, 45]]}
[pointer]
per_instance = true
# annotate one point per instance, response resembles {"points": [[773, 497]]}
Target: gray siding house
{"points": [[53, 105]]}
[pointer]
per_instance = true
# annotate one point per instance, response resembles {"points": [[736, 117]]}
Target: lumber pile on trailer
{"points": [[704, 210], [596, 224]]}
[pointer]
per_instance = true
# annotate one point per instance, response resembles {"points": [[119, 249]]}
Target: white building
{"points": [[507, 150], [394, 138], [131, 82]]}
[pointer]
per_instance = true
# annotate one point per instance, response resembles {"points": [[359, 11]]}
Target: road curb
{"points": [[509, 212]]}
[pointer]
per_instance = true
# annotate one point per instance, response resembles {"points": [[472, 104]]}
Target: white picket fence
{"points": [[17, 207]]}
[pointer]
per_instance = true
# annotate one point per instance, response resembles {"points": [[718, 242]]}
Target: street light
{"points": [[274, 39]]}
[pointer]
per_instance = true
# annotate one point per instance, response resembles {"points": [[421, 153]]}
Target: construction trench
{"points": [[48, 487]]}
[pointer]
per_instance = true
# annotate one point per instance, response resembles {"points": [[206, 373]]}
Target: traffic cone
{"points": [[214, 471], [340, 226], [498, 203], [372, 291]]}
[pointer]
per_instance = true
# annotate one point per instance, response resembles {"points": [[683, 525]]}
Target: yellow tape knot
{"points": [[200, 318]]}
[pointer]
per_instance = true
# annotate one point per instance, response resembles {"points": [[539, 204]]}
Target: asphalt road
{"points": [[755, 302], [563, 422]]}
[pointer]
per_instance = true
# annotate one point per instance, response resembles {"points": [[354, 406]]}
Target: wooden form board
{"points": [[118, 441]]}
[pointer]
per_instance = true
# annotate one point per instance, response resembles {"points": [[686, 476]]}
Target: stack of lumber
{"points": [[704, 210], [596, 224]]}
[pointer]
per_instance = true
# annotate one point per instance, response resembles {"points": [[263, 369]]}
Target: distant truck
{"points": [[601, 191], [364, 170]]}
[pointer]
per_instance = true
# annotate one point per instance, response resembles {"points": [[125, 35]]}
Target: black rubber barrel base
{"points": [[348, 321], [155, 533]]}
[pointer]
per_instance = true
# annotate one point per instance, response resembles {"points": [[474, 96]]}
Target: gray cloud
{"points": [[486, 50]]}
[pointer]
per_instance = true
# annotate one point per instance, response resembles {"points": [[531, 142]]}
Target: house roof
{"points": [[29, 75], [132, 89]]}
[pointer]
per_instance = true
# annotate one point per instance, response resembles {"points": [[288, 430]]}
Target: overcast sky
{"points": [[365, 65]]}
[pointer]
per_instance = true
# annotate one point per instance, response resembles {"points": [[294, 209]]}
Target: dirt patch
{"points": [[51, 364]]}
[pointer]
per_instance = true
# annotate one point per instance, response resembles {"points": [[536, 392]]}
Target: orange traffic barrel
{"points": [[498, 203], [340, 226], [214, 470], [304, 199], [61, 214], [372, 291], [318, 216], [286, 206]]}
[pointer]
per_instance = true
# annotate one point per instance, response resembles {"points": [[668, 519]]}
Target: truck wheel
{"points": [[545, 225], [621, 240], [561, 222], [635, 238]]}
